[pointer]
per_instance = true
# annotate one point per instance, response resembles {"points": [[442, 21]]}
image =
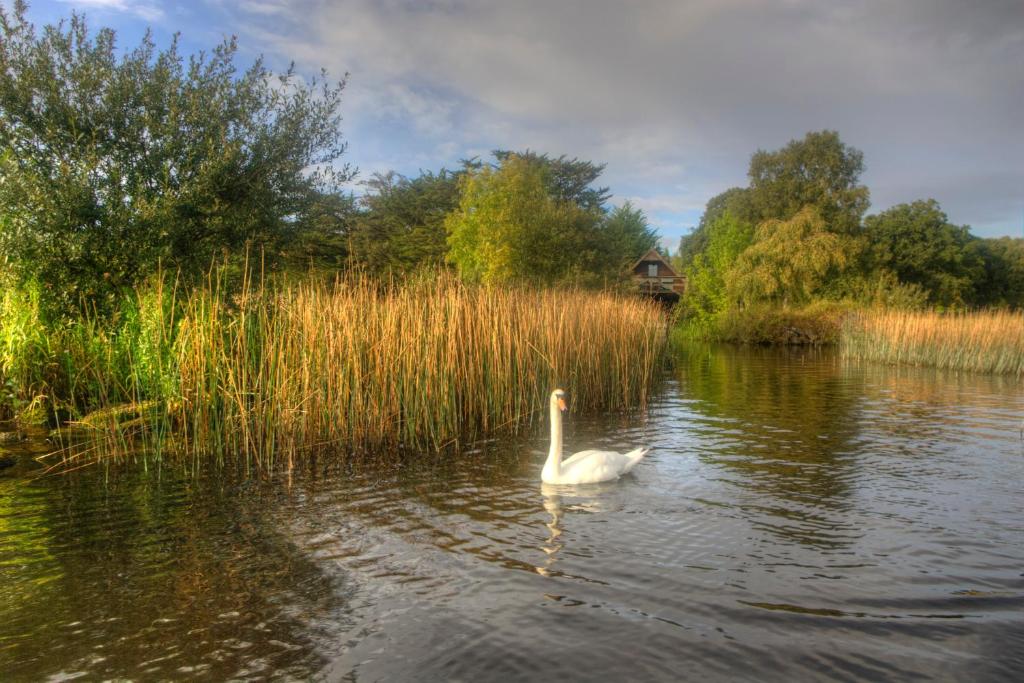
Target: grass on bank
{"points": [[271, 374], [980, 341], [816, 324]]}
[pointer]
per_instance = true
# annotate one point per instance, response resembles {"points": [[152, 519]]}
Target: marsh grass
{"points": [[73, 367], [316, 366], [981, 341], [265, 375]]}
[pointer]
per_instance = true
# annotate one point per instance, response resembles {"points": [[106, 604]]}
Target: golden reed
{"points": [[981, 341], [349, 365]]}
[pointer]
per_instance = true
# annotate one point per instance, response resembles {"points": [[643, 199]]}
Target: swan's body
{"points": [[585, 467]]}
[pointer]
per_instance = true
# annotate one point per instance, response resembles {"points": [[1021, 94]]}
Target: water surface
{"points": [[799, 517]]}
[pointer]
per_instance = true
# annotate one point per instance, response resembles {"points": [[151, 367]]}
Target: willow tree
{"points": [[789, 261]]}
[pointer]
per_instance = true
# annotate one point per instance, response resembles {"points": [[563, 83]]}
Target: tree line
{"points": [[522, 216], [799, 233], [114, 165]]}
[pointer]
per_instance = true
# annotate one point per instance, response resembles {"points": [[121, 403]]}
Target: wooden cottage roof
{"points": [[655, 255]]}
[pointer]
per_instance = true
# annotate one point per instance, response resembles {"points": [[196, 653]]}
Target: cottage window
{"points": [[652, 270]]}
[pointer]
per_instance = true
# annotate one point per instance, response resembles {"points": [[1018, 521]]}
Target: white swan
{"points": [[585, 467]]}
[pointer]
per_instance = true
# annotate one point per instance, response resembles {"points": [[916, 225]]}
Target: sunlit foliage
{"points": [[513, 225], [789, 261], [116, 160]]}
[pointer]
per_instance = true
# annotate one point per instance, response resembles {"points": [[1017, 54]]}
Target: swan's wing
{"points": [[629, 460], [592, 466], [585, 455]]}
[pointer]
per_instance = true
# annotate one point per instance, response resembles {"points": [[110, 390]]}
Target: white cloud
{"points": [[676, 96], [148, 11]]}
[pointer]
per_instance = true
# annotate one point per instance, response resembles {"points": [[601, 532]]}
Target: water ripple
{"points": [[799, 517]]}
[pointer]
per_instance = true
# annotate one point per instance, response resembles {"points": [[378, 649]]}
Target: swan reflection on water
{"points": [[560, 499]]}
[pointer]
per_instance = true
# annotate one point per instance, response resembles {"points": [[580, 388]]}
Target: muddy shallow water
{"points": [[799, 517]]}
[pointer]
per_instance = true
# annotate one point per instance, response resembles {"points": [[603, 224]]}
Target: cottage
{"points": [[656, 278]]}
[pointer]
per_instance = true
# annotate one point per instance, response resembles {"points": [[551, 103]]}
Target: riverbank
{"points": [[979, 341], [271, 374], [815, 325]]}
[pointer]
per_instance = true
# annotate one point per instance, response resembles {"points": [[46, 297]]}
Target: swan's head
{"points": [[558, 399]]}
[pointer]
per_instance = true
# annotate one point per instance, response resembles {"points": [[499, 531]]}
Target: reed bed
{"points": [[980, 341], [316, 366], [269, 375]]}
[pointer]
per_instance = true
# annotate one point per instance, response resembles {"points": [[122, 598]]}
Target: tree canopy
{"points": [[567, 179], [917, 242], [401, 225], [323, 233], [788, 261], [516, 221], [1003, 281], [797, 234], [735, 201], [114, 161], [625, 237], [509, 227], [819, 171], [709, 270]]}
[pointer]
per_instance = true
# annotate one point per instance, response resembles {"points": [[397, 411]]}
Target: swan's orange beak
{"points": [[561, 404]]}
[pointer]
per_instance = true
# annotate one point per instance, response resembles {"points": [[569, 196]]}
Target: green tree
{"points": [[735, 201], [818, 171], [917, 242], [509, 227], [789, 262], [1003, 281], [625, 236], [566, 179], [706, 293], [113, 162], [401, 227], [323, 234]]}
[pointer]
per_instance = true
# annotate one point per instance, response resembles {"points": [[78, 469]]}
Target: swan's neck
{"points": [[554, 463]]}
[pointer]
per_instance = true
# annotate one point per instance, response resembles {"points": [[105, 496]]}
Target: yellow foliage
{"points": [[788, 260]]}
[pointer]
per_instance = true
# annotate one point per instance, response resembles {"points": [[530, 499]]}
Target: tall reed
{"points": [[319, 365], [74, 366], [982, 341]]}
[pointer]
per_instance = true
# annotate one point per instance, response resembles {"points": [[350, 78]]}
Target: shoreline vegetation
{"points": [[272, 374], [978, 341], [988, 341], [793, 258], [426, 311]]}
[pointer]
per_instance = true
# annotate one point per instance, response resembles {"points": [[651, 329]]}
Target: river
{"points": [[799, 517]]}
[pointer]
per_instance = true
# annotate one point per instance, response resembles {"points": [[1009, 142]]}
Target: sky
{"points": [[673, 95]]}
